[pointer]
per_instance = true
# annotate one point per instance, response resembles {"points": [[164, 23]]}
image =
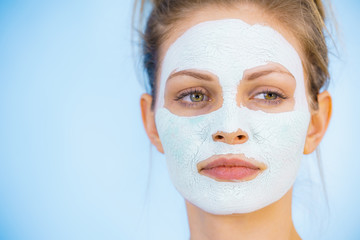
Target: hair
{"points": [[304, 18]]}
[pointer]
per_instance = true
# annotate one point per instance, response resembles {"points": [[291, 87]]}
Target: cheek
{"points": [[280, 137], [182, 137], [277, 140], [272, 137]]}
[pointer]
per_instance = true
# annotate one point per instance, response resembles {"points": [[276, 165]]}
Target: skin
{"points": [[273, 221], [271, 77]]}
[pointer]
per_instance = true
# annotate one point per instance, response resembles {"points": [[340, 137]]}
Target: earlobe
{"points": [[319, 122], [148, 118]]}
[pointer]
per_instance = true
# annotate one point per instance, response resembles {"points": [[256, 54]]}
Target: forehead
{"points": [[227, 48], [247, 12]]}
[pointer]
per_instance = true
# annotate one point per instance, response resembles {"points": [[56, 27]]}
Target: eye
{"points": [[270, 97], [267, 96], [193, 96]]}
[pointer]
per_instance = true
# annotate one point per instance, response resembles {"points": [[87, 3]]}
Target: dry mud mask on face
{"points": [[227, 48]]}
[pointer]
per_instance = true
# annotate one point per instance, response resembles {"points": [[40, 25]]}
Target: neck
{"points": [[271, 222]]}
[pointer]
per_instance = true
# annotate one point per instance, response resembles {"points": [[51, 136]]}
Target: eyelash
{"points": [[279, 94], [188, 92]]}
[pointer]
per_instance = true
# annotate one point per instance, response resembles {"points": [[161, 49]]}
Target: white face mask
{"points": [[226, 48]]}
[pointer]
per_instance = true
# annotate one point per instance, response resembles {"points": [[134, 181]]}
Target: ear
{"points": [[148, 118], [319, 122]]}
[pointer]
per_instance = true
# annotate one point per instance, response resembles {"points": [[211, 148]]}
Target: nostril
{"points": [[219, 137], [237, 137], [240, 137]]}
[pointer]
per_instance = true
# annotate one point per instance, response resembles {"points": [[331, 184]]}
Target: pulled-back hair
{"points": [[304, 18]]}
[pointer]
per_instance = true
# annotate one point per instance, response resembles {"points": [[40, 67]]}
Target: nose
{"points": [[232, 138]]}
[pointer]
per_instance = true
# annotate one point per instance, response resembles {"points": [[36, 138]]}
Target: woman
{"points": [[235, 103]]}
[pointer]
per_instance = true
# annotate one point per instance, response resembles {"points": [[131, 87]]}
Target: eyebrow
{"points": [[265, 72], [197, 75]]}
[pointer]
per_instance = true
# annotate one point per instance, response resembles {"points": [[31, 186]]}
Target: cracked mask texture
{"points": [[227, 48]]}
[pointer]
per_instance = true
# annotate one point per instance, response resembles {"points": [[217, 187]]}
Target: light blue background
{"points": [[74, 158]]}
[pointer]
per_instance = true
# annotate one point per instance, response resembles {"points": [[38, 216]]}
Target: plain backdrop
{"points": [[75, 162]]}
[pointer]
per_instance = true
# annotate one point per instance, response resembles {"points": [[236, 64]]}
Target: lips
{"points": [[230, 168]]}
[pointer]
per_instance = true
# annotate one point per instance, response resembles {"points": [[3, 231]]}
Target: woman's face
{"points": [[231, 109]]}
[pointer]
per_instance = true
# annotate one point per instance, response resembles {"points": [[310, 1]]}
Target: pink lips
{"points": [[230, 169]]}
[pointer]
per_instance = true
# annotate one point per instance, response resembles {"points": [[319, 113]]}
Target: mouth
{"points": [[230, 168]]}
